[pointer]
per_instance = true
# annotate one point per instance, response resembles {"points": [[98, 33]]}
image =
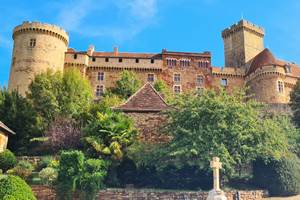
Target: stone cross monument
{"points": [[216, 193]]}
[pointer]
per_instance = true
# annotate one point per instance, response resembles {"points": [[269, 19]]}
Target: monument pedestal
{"points": [[216, 195]]}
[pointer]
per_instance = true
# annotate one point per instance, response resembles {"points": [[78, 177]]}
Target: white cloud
{"points": [[135, 16]]}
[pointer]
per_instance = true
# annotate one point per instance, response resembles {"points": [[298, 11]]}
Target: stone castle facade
{"points": [[38, 47]]}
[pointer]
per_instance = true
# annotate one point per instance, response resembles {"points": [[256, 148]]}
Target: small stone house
{"points": [[4, 134], [146, 108]]}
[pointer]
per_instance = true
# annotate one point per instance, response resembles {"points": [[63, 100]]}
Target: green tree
{"points": [[161, 87], [56, 94], [108, 135], [219, 124], [19, 115], [127, 85], [295, 103]]}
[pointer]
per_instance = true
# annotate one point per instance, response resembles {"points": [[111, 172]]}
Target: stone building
{"points": [[5, 132], [38, 47], [145, 108]]}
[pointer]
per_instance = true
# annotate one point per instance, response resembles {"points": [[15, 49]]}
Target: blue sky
{"points": [[151, 25]]}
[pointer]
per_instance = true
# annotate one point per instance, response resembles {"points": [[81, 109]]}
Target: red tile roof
{"points": [[146, 99], [6, 129], [262, 59]]}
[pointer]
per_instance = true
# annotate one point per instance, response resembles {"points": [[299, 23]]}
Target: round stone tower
{"points": [[37, 48]]}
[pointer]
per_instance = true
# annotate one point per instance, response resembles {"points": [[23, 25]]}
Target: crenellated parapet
{"points": [[41, 28]]}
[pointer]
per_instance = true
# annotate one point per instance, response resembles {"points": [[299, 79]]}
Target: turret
{"points": [[37, 48]]}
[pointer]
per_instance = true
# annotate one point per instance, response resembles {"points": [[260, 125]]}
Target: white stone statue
{"points": [[216, 193]]}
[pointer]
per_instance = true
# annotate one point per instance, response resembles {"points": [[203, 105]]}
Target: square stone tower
{"points": [[242, 41]]}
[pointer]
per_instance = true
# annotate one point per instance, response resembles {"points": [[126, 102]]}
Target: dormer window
{"points": [[106, 59], [93, 59], [32, 42], [152, 61], [137, 60], [288, 69], [120, 60], [75, 56]]}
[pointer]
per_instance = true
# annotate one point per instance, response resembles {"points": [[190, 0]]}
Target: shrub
{"points": [[45, 161], [69, 172], [48, 175], [7, 160], [14, 188], [279, 177], [23, 169], [92, 178]]}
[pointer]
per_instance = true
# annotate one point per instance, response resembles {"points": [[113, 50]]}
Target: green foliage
{"points": [[7, 160], [18, 114], [23, 169], [108, 135], [127, 85], [14, 188], [44, 162], [219, 124], [48, 175], [279, 177], [56, 94], [69, 172], [92, 178], [161, 87]]}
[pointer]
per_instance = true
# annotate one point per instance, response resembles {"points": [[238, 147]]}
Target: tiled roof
{"points": [[146, 99], [126, 55], [262, 59], [266, 57], [6, 129]]}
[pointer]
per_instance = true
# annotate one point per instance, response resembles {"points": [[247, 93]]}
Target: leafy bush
{"points": [[92, 178], [14, 188], [279, 177], [45, 161], [48, 175], [7, 160], [23, 169], [69, 172]]}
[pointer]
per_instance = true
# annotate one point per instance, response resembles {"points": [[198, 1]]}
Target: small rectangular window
{"points": [[150, 78], [177, 89], [280, 87], [100, 76], [152, 61], [93, 59], [200, 80], [75, 56], [177, 78], [120, 60], [106, 59], [99, 90], [32, 42], [224, 82], [137, 60]]}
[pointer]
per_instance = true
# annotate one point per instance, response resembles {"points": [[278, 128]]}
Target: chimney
{"points": [[90, 50], [116, 50]]}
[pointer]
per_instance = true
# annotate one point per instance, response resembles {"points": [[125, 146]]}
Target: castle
{"points": [[38, 47]]}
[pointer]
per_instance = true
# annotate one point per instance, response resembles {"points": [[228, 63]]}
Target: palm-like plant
{"points": [[108, 135]]}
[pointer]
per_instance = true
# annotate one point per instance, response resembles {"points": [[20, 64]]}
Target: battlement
{"points": [[246, 25], [43, 28]]}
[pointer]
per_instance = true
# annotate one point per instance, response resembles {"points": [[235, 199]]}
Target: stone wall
{"points": [[48, 193], [149, 126]]}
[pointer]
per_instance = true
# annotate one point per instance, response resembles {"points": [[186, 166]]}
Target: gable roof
{"points": [[6, 129], [146, 99]]}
